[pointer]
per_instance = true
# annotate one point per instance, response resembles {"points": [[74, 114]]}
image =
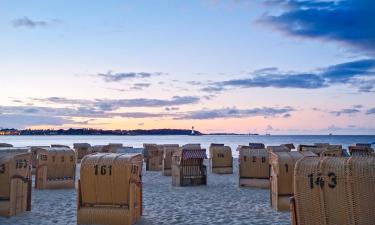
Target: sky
{"points": [[244, 66]]}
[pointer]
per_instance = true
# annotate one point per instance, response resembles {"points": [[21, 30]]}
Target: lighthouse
{"points": [[192, 130]]}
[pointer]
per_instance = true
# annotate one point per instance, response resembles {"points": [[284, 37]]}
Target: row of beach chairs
{"points": [[319, 183], [109, 191]]}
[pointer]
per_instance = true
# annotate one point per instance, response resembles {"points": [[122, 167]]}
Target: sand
{"points": [[220, 202]]}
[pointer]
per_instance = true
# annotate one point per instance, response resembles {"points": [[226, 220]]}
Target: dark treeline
{"points": [[97, 132]]}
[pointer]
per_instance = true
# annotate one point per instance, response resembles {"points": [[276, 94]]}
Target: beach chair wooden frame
{"points": [[15, 180], [110, 189], [188, 167]]}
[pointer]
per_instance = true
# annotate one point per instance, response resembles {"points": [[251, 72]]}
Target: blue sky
{"points": [[223, 66]]}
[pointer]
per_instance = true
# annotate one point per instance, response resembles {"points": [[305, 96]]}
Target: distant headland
{"points": [[72, 131]]}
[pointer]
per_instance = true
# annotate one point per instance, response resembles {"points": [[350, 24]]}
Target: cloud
{"points": [[236, 113], [28, 23], [349, 129], [63, 110], [19, 121], [116, 77], [350, 22], [348, 111], [359, 74], [344, 72], [287, 115], [370, 111], [113, 104], [140, 86], [306, 81], [171, 108]]}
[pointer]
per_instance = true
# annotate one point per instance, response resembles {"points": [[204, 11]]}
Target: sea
{"points": [[205, 140]]}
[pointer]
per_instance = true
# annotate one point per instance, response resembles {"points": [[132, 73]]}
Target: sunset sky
{"points": [[271, 66]]}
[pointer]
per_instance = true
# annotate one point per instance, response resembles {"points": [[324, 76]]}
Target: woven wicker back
{"points": [[60, 162], [335, 190], [253, 163], [106, 178]]}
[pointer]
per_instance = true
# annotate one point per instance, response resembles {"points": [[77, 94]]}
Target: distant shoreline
{"points": [[71, 131], [139, 132]]}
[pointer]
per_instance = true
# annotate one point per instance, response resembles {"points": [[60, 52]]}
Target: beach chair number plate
{"points": [[319, 180], [255, 159], [43, 157], [103, 170], [21, 163]]}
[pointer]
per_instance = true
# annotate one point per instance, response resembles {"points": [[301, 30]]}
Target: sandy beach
{"points": [[220, 202]]}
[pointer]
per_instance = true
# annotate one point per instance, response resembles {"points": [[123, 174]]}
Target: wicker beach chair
{"points": [[56, 168], [168, 150], [253, 166], [334, 190], [153, 157], [82, 149], [282, 170], [221, 159], [15, 181], [110, 189], [188, 168]]}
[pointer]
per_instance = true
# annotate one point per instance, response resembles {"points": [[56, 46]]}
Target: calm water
{"points": [[232, 140]]}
